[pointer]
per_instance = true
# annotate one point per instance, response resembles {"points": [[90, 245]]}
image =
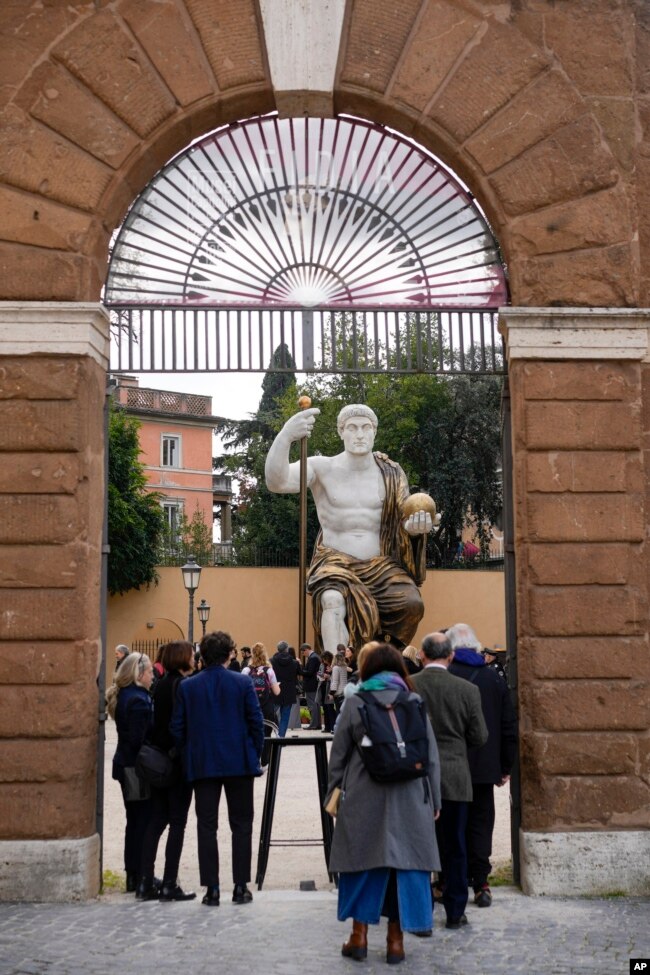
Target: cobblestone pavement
{"points": [[291, 933]]}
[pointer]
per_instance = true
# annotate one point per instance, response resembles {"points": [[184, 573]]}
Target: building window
{"points": [[171, 451], [173, 511]]}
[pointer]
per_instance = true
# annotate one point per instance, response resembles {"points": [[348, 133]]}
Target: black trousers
{"points": [[450, 832], [137, 819], [480, 827], [169, 806], [239, 797]]}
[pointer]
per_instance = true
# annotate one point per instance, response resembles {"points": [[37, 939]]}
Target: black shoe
{"points": [[131, 882], [423, 934], [146, 891], [211, 897], [172, 892], [483, 896], [241, 894], [458, 923]]}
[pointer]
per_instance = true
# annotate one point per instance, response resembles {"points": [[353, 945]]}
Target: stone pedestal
{"points": [[579, 381], [53, 359]]}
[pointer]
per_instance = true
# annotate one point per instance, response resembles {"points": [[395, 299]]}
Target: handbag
{"points": [[157, 767], [135, 789], [334, 801]]}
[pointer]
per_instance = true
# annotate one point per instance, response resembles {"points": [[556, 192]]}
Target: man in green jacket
{"points": [[454, 707]]}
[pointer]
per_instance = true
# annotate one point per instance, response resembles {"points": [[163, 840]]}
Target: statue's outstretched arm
{"points": [[281, 476]]}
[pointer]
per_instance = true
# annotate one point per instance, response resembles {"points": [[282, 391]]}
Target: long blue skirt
{"points": [[361, 897]]}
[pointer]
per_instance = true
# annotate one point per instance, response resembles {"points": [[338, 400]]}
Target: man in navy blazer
{"points": [[218, 727]]}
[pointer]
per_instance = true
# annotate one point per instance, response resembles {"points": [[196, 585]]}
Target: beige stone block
{"points": [[35, 158], [536, 179], [49, 711], [591, 705], [490, 74], [32, 275], [48, 810], [443, 32], [375, 40], [564, 658], [36, 566], [46, 759], [582, 380], [39, 425], [549, 103], [599, 219], [582, 425], [34, 519], [39, 473], [126, 83], [44, 614], [602, 277], [30, 219], [618, 120], [586, 610], [55, 98], [601, 62], [55, 662], [578, 564], [55, 871], [581, 753], [170, 42], [231, 39], [39, 377], [585, 863], [578, 471], [581, 802]]}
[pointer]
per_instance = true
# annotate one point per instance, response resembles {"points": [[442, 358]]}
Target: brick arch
{"points": [[106, 97]]}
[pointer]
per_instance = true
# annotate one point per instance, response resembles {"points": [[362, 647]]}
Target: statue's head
{"points": [[355, 409]]}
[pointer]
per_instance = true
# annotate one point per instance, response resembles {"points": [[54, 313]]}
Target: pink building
{"points": [[176, 450]]}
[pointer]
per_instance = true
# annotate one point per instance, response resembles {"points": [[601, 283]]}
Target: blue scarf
{"points": [[472, 657]]}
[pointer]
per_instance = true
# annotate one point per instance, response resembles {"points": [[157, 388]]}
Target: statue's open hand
{"points": [[301, 424], [419, 523]]}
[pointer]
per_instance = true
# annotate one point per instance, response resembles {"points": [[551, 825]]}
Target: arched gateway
{"points": [[94, 102]]}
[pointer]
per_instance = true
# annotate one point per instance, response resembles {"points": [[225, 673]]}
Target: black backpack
{"points": [[262, 684], [395, 747]]}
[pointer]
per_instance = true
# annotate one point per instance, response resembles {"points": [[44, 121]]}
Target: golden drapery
{"points": [[381, 594]]}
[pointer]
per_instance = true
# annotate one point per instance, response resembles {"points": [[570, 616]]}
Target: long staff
{"points": [[304, 403]]}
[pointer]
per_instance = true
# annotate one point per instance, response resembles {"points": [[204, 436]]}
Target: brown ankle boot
{"points": [[394, 944], [357, 945]]}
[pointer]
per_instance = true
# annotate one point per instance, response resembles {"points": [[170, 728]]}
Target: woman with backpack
{"points": [[395, 772], [267, 688]]}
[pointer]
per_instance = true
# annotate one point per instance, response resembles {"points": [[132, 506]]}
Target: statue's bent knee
{"points": [[331, 599]]}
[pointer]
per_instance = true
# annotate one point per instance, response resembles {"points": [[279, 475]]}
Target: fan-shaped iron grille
{"points": [[303, 213]]}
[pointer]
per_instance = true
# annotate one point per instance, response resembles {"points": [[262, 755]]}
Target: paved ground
{"points": [[292, 933], [289, 932]]}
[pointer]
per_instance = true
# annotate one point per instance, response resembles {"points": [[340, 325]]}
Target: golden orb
{"points": [[304, 402], [419, 502]]}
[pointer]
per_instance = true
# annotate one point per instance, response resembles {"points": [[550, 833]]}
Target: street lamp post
{"points": [[191, 575], [203, 610]]}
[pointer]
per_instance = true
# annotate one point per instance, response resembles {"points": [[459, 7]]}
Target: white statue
{"points": [[369, 558]]}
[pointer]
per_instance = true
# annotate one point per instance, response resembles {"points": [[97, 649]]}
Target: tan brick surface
{"points": [[46, 759], [617, 119], [377, 34], [582, 425], [48, 711], [39, 425], [48, 810], [580, 380], [230, 37], [585, 753], [608, 68], [585, 518], [443, 32], [172, 44], [582, 610], [39, 662], [44, 614], [28, 218], [558, 471], [46, 566], [491, 73], [591, 705], [126, 82], [39, 473], [40, 378], [588, 802], [583, 657], [602, 277], [28, 274], [588, 564], [33, 519]]}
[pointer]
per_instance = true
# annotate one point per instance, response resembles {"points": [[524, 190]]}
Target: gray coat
{"points": [[454, 706], [380, 824]]}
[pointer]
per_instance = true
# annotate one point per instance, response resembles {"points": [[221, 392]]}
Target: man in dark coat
{"points": [[287, 670], [490, 764], [454, 708], [311, 663], [218, 727]]}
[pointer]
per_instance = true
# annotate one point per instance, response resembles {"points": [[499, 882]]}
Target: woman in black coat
{"points": [[129, 704], [170, 805]]}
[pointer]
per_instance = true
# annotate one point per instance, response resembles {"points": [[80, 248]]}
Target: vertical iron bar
{"points": [[307, 342]]}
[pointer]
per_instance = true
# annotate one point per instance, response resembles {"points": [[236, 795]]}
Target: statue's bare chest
{"points": [[348, 490]]}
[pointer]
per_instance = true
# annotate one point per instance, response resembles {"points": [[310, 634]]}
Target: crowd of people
{"points": [[448, 738]]}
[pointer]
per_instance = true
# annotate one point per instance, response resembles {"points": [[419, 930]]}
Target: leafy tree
{"points": [[191, 536], [135, 518]]}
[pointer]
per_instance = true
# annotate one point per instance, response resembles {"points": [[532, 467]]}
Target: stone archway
{"points": [[94, 102]]}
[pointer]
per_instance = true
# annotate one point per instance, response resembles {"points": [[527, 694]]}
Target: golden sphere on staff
{"points": [[304, 402], [419, 502]]}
